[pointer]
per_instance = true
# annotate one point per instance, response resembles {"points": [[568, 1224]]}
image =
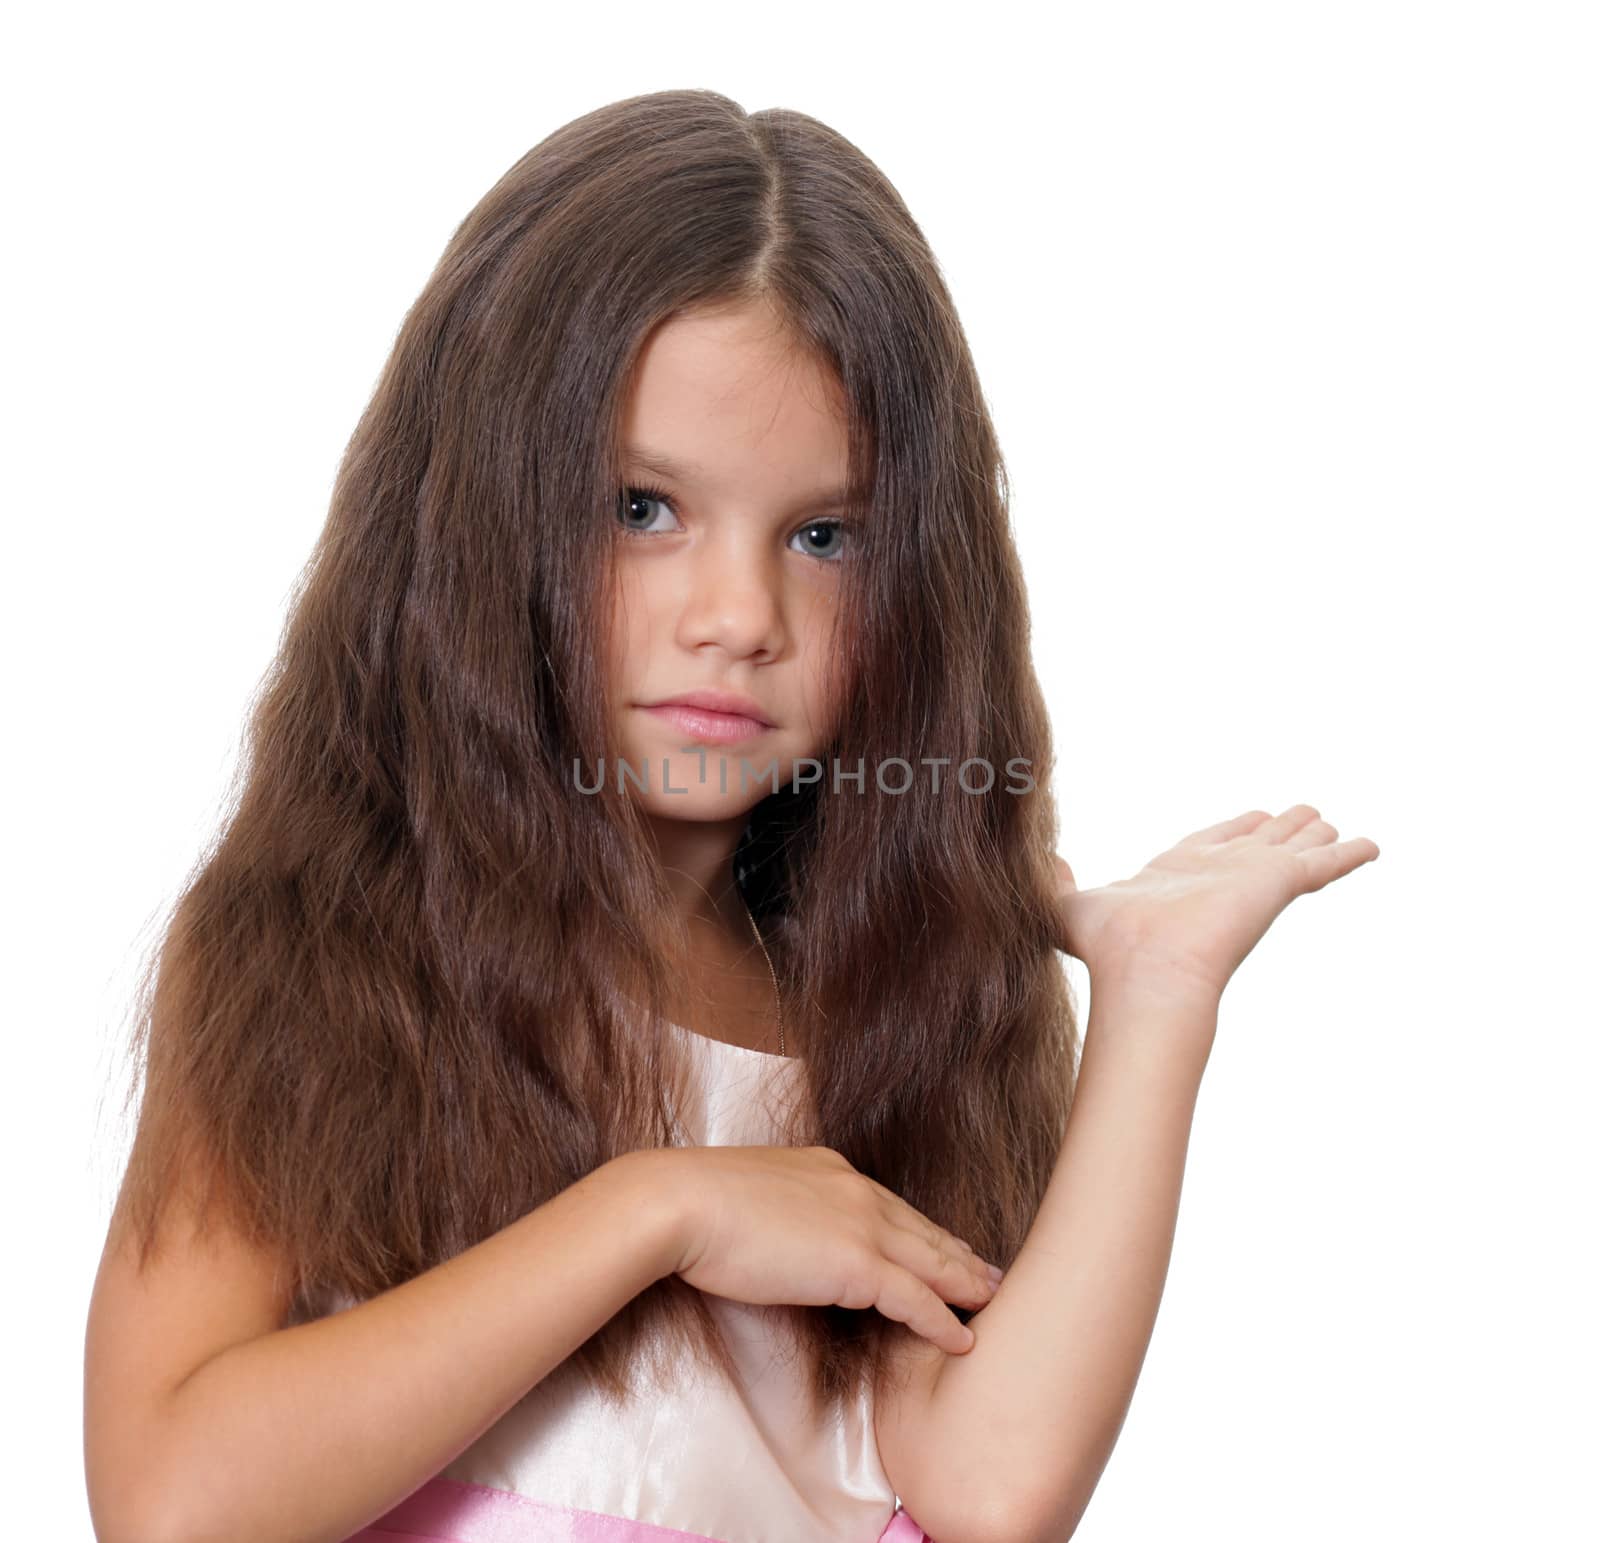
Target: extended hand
{"points": [[1187, 920]]}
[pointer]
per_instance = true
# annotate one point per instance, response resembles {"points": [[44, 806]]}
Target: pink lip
{"points": [[700, 723], [727, 703]]}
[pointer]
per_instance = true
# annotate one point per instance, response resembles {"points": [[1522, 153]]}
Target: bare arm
{"points": [[1029, 1416], [307, 1434]]}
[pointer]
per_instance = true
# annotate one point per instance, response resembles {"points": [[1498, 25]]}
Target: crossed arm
{"points": [[1006, 1443]]}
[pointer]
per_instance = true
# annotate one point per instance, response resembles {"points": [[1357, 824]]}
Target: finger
{"points": [[901, 1213], [1276, 831], [1317, 833], [944, 1262], [1240, 825], [1323, 864], [903, 1297]]}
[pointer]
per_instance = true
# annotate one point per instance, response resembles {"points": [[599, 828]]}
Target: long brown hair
{"points": [[390, 1010]]}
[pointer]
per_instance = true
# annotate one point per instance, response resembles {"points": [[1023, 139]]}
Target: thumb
{"points": [[1066, 892]]}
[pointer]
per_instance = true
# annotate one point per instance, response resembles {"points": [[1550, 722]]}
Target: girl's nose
{"points": [[733, 600]]}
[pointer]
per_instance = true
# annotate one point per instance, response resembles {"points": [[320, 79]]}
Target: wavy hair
{"points": [[397, 1002]]}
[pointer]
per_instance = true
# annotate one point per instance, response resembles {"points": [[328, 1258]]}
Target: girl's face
{"points": [[729, 558]]}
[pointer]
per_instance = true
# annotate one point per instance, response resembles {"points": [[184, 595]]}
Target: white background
{"points": [[1287, 316]]}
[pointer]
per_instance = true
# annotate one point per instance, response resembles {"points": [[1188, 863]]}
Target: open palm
{"points": [[1189, 917]]}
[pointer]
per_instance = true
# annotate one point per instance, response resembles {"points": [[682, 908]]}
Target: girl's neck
{"points": [[725, 991], [728, 993], [697, 859]]}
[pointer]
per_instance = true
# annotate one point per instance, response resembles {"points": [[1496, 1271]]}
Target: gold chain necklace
{"points": [[777, 995]]}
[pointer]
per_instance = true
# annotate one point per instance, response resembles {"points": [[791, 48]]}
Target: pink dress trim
{"points": [[449, 1511]]}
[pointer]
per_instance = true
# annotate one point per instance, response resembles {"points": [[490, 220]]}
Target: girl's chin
{"points": [[716, 768], [674, 810]]}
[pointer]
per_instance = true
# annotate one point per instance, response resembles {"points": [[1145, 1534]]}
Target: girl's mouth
{"points": [[701, 723]]}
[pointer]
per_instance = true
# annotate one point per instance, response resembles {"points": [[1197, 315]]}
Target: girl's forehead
{"points": [[702, 381]]}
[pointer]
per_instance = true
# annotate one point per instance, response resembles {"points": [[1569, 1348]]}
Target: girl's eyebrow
{"points": [[686, 471]]}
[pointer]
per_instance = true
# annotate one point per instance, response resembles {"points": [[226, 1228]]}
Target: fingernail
{"points": [[996, 1274]]}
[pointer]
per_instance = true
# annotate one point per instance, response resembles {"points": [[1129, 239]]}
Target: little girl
{"points": [[590, 1083]]}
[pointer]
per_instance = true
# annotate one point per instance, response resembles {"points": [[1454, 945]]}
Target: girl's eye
{"points": [[628, 505], [634, 516], [830, 533]]}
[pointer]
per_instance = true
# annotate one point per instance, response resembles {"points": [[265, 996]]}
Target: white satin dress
{"points": [[710, 1462]]}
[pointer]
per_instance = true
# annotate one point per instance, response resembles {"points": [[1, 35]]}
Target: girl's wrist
{"points": [[1143, 973], [1169, 1011], [653, 1204]]}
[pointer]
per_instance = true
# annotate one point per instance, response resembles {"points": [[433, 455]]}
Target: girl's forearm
{"points": [[311, 1432], [1030, 1414]]}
